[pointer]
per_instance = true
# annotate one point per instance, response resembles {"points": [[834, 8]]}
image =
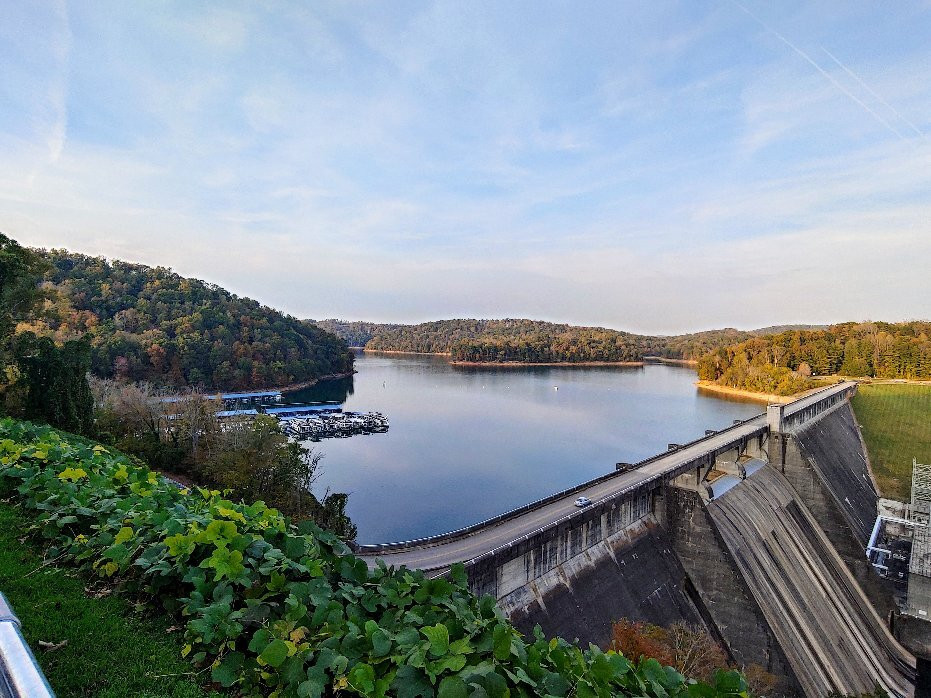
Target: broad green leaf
{"points": [[362, 678], [227, 673], [452, 687], [438, 635], [502, 642], [275, 653]]}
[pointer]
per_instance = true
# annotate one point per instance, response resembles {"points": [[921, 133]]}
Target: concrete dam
{"points": [[755, 533]]}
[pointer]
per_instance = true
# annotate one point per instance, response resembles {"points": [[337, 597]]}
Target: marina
{"points": [[311, 421], [334, 424]]}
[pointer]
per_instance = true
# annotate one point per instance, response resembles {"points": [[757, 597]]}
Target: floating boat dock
{"points": [[334, 424]]}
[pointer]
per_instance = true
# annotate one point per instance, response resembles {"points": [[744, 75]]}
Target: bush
{"points": [[280, 610]]}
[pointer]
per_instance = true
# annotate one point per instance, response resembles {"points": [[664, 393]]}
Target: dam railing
{"points": [[20, 675]]}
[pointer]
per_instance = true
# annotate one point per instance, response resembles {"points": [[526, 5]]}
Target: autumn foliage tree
{"points": [[689, 649]]}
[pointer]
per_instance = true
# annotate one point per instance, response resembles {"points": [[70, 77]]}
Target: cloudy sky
{"points": [[651, 166]]}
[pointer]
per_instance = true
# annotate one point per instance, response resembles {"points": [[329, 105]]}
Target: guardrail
{"points": [[375, 548], [20, 675]]}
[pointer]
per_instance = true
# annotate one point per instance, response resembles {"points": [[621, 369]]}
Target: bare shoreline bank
{"points": [[402, 353], [675, 362], [518, 364], [766, 398]]}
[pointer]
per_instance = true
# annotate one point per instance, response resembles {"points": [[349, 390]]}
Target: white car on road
{"points": [[582, 502]]}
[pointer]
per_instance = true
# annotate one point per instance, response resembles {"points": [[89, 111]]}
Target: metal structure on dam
{"points": [[716, 532]]}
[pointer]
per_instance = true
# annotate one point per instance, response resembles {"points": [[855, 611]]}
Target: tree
{"points": [[689, 649], [50, 383], [20, 272]]}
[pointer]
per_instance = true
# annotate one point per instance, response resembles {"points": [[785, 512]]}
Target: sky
{"points": [[657, 167]]}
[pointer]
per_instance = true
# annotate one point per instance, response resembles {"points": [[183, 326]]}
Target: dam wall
{"points": [[827, 628], [504, 570], [633, 574], [827, 466]]}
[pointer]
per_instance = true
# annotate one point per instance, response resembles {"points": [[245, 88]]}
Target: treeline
{"points": [[530, 340], [782, 363], [578, 345], [148, 323]]}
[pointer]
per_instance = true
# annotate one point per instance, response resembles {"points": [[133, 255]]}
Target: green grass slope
{"points": [[110, 652], [896, 423]]}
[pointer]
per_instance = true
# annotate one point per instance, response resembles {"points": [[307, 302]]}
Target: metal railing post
{"points": [[20, 675]]}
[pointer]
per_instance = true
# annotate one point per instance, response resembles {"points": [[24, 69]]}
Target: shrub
{"points": [[283, 610]]}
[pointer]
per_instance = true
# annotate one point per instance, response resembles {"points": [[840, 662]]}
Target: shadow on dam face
{"points": [[634, 574]]}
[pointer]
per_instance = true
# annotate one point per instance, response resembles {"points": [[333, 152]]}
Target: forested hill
{"points": [[529, 340], [355, 333], [777, 363], [148, 323]]}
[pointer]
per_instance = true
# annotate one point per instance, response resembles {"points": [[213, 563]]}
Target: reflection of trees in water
{"points": [[337, 390]]}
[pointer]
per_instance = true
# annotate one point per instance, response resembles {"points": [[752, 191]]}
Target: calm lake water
{"points": [[466, 444]]}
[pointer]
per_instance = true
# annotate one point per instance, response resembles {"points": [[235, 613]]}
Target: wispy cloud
{"points": [[628, 166], [869, 89], [821, 70]]}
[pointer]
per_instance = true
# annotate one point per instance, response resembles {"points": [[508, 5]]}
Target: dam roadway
{"points": [[468, 544]]}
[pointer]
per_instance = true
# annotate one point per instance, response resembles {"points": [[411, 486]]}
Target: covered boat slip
{"points": [[828, 630]]}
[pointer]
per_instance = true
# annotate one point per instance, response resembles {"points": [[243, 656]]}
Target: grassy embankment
{"points": [[110, 651], [896, 423]]}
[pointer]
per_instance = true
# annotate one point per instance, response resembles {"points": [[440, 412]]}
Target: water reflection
{"points": [[338, 390], [467, 443]]}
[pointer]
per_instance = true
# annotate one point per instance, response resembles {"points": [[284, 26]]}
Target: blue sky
{"points": [[658, 167]]}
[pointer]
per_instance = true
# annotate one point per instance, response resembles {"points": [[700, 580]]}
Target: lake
{"points": [[466, 444]]}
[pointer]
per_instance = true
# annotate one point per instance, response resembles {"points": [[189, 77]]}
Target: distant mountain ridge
{"points": [[523, 340], [149, 323]]}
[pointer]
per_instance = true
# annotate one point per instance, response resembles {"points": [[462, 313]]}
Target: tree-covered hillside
{"points": [[870, 349], [511, 340], [148, 323]]}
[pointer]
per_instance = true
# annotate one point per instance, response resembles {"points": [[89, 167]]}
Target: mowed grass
{"points": [[111, 651], [896, 423]]}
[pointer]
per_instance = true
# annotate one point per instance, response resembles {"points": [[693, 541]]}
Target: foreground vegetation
{"points": [[91, 642], [148, 323], [273, 609], [896, 423]]}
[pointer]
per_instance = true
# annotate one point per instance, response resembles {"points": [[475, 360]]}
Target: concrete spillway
{"points": [[829, 632], [832, 445]]}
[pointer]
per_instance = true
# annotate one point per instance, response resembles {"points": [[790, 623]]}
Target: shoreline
{"points": [[675, 362], [769, 398], [294, 387], [518, 364], [408, 353]]}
